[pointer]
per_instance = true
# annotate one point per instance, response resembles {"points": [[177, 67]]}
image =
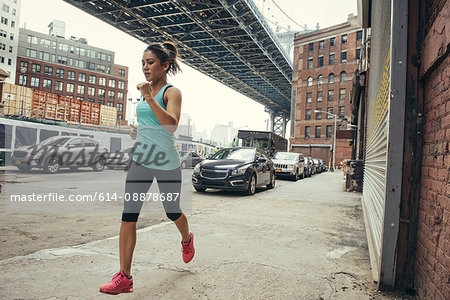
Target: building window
{"points": [[5, 8], [4, 21], [330, 112], [59, 86], [80, 98], [63, 47], [311, 46], [90, 66], [31, 53], [310, 63], [121, 85], [46, 43], [91, 91], [11, 36], [121, 72], [308, 97], [112, 83], [343, 76], [91, 99], [3, 33], [318, 115], [307, 131], [318, 131], [13, 24], [62, 60], [308, 114], [23, 80], [110, 103], [59, 73], [341, 111], [71, 75], [320, 64], [10, 49], [45, 56], [111, 95], [319, 96], [331, 78], [80, 89], [320, 79], [344, 39], [309, 81], [359, 35], [330, 95], [332, 41], [36, 68], [119, 107], [32, 40], [24, 65], [120, 96], [102, 102], [47, 84], [343, 56], [82, 77], [9, 62], [101, 93], [329, 130], [34, 81], [92, 79], [341, 94], [48, 70], [102, 81], [321, 44], [101, 68], [332, 57], [358, 53], [70, 87]]}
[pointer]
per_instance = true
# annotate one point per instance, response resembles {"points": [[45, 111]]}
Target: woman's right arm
{"points": [[133, 131]]}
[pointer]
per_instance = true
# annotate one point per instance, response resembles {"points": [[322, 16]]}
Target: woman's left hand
{"points": [[146, 90]]}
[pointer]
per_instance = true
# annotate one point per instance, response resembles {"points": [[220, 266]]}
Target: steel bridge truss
{"points": [[227, 40]]}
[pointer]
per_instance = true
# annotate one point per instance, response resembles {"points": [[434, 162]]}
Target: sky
{"points": [[205, 100]]}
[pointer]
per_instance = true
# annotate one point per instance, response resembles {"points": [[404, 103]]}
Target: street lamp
{"points": [[334, 135]]}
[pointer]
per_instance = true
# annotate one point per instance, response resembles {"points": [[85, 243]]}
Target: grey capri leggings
{"points": [[138, 182]]}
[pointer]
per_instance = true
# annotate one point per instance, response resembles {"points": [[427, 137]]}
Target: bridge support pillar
{"points": [[279, 124]]}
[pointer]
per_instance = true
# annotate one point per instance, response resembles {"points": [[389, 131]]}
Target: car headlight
{"points": [[239, 171], [197, 168]]}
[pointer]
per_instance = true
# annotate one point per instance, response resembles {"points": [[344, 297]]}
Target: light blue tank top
{"points": [[154, 147]]}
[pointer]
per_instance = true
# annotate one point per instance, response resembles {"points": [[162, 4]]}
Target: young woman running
{"points": [[155, 156]]}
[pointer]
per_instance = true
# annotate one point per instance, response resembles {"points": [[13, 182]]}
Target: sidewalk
{"points": [[301, 240]]}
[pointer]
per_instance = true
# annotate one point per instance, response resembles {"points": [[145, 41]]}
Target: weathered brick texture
{"points": [[432, 270]]}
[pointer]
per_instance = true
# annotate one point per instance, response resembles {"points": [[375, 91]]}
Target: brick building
{"points": [[61, 66], [406, 191], [325, 62]]}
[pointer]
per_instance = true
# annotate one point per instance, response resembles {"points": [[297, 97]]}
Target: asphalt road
{"points": [[300, 240]]}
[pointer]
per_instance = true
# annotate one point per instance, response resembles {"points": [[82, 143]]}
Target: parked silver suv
{"points": [[289, 164]]}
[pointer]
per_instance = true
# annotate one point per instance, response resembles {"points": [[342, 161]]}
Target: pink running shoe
{"points": [[119, 284], [188, 249]]}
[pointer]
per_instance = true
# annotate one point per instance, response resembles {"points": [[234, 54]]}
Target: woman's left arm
{"points": [[168, 118]]}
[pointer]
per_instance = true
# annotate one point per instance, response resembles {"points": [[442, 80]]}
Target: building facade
{"points": [[70, 67], [325, 62], [9, 36]]}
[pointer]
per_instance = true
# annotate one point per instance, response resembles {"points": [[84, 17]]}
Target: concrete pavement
{"points": [[300, 240]]}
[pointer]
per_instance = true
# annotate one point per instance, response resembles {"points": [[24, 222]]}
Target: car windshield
{"points": [[286, 156], [235, 153], [55, 141]]}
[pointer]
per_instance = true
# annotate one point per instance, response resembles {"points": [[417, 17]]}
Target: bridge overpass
{"points": [[227, 40]]}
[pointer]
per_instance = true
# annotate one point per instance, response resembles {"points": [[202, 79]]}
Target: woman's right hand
{"points": [[133, 131]]}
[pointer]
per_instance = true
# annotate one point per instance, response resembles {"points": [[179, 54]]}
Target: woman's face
{"points": [[152, 67]]}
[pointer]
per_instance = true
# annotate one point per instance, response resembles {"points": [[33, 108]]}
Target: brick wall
{"points": [[432, 269]]}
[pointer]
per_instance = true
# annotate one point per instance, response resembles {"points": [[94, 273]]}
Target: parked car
{"points": [[323, 166], [237, 168], [60, 152], [317, 168], [120, 158], [190, 160], [308, 167], [289, 164]]}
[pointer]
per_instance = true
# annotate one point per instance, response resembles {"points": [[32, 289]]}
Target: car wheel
{"points": [[99, 165], [251, 185], [271, 185], [24, 168], [183, 165], [200, 190], [51, 166], [73, 168]]}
